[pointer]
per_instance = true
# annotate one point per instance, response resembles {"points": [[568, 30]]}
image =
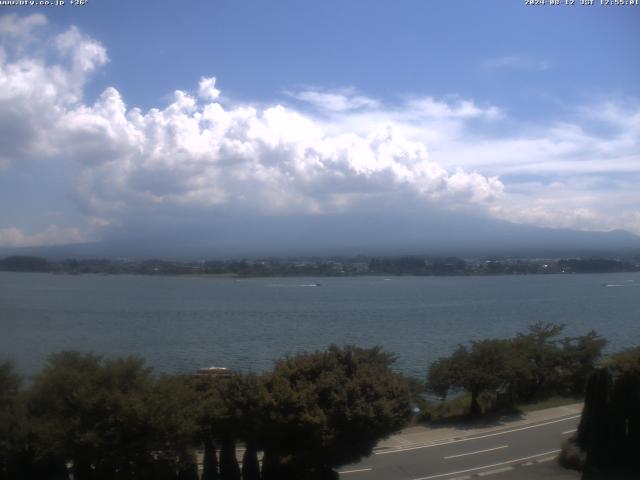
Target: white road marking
{"points": [[494, 471], [568, 431], [487, 466], [355, 471], [546, 459], [476, 438], [474, 453]]}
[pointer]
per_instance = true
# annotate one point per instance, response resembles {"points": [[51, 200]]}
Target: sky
{"points": [[121, 119]]}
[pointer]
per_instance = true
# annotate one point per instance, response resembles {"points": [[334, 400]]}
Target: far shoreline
{"points": [[235, 276]]}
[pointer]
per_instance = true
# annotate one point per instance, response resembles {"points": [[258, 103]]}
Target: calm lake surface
{"points": [[184, 323]]}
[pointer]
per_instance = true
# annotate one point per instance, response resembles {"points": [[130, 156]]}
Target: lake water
{"points": [[184, 323]]}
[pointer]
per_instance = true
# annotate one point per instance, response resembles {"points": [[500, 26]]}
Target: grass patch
{"points": [[456, 410], [548, 403]]}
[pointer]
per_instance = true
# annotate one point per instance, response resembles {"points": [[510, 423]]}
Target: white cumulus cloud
{"points": [[52, 235], [198, 153], [202, 154], [17, 27], [207, 88], [86, 54]]}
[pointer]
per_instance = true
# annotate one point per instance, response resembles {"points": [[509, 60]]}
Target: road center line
{"points": [[474, 453], [568, 431], [355, 471], [399, 450], [487, 466]]}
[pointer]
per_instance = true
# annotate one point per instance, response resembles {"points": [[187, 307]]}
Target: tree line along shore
{"points": [[88, 417], [338, 266]]}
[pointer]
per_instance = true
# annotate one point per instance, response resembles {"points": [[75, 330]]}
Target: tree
{"points": [[250, 465], [488, 366], [543, 359], [23, 263], [9, 419], [188, 468], [531, 365], [593, 431], [244, 398], [172, 413], [108, 416], [210, 416], [330, 408], [626, 361], [229, 468], [209, 461], [447, 372], [64, 410], [579, 359], [609, 430], [624, 367]]}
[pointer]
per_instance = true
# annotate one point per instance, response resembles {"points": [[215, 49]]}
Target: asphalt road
{"points": [[496, 453]]}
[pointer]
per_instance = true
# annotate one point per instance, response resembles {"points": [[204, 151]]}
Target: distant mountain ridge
{"points": [[456, 234]]}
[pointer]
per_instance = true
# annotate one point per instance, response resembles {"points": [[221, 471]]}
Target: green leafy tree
{"points": [[532, 365], [609, 430], [593, 431], [542, 358], [447, 373], [210, 420], [229, 468], [250, 465], [209, 461], [580, 356], [626, 361], [624, 367], [487, 366], [11, 435], [64, 408], [188, 468], [231, 411], [330, 408], [172, 411], [245, 402], [110, 416]]}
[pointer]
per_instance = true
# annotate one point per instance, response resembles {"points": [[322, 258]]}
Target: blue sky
{"points": [[529, 114], [494, 51]]}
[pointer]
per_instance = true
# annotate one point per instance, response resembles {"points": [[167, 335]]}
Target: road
{"points": [[495, 452]]}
